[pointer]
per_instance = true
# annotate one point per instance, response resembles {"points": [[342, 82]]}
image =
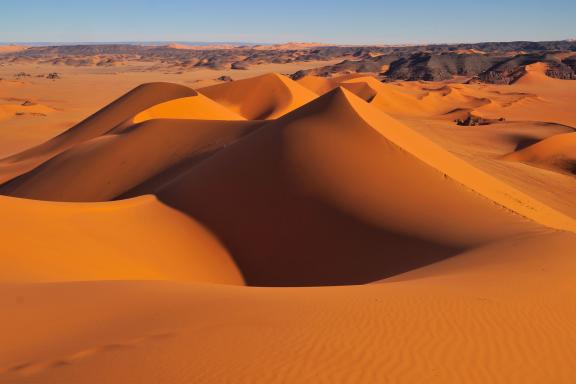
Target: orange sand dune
{"points": [[264, 97], [499, 314], [314, 168], [111, 165], [397, 101], [197, 107], [321, 85], [106, 119], [547, 99], [132, 239], [467, 253], [557, 152]]}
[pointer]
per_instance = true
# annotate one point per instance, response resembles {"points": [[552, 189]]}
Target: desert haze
{"points": [[288, 213]]}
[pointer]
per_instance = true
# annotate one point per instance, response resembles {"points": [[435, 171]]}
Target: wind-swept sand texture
{"points": [[502, 314], [383, 242], [264, 97]]}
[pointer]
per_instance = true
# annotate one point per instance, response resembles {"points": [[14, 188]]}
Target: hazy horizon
{"points": [[364, 23]]}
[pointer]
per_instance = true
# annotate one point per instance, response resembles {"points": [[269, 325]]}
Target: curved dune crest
{"points": [[321, 85], [263, 97], [138, 239], [108, 166], [124, 108], [394, 99], [557, 153], [314, 168], [197, 107]]}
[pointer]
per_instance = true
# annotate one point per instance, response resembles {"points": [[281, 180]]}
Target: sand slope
{"points": [[263, 97], [545, 98], [314, 168], [111, 165], [133, 239], [196, 107], [135, 101], [510, 320], [468, 254], [397, 100], [557, 152]]}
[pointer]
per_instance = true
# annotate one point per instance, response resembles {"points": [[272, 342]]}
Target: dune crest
{"points": [[312, 168], [263, 97], [138, 239], [557, 153], [124, 108], [141, 156], [386, 231]]}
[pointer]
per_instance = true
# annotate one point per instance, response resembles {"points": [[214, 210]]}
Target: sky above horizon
{"points": [[351, 22]]}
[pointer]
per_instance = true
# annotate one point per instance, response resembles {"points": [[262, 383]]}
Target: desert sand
{"points": [[266, 230]]}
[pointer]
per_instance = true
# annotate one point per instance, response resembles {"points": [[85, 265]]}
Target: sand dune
{"points": [[196, 107], [264, 97], [557, 152], [397, 100], [546, 99], [458, 259], [132, 239], [124, 108], [313, 169], [321, 85], [111, 165]]}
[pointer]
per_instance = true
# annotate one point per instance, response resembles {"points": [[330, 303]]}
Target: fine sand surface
{"points": [[265, 230]]}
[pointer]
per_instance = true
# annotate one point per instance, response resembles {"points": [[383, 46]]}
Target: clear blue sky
{"points": [[350, 22]]}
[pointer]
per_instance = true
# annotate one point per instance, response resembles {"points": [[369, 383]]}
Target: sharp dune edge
{"points": [[557, 152], [264, 97], [377, 251]]}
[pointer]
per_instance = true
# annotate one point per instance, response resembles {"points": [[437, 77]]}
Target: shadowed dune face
{"points": [[556, 153], [261, 98], [397, 100], [307, 184], [138, 239], [106, 167], [338, 191], [137, 100]]}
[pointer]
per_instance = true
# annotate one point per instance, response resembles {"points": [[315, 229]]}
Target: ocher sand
{"points": [[384, 243]]}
